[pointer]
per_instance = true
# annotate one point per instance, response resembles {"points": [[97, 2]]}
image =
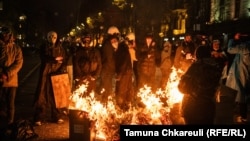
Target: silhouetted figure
{"points": [[199, 85], [108, 51], [124, 58], [148, 57], [87, 65]]}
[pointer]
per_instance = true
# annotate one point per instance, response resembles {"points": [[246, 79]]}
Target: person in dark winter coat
{"points": [[87, 64], [199, 85], [11, 61], [124, 92], [148, 60], [184, 54], [108, 52], [52, 56]]}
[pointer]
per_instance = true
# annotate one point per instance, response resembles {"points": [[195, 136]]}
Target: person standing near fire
{"points": [[124, 61], [53, 60], [166, 63], [239, 73], [87, 64], [148, 56], [131, 42], [11, 61], [108, 51], [184, 55], [199, 85], [220, 56]]}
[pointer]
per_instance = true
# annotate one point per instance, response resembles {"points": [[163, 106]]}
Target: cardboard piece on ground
{"points": [[62, 89]]}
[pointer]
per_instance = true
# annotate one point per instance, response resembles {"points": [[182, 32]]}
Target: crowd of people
{"points": [[122, 65]]}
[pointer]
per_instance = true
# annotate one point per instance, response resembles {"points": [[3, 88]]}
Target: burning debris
{"points": [[154, 109]]}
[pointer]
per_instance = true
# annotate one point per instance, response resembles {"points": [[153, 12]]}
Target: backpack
{"points": [[22, 130]]}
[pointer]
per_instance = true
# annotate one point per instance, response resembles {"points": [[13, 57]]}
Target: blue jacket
{"points": [[239, 73]]}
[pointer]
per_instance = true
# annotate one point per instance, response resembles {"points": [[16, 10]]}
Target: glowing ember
{"points": [[107, 118]]}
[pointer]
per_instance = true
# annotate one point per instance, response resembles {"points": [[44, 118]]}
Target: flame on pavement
{"points": [[107, 118]]}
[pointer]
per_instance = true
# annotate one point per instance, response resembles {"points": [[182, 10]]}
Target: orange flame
{"points": [[107, 118]]}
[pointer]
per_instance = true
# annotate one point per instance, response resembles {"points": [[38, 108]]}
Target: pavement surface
{"points": [[50, 131], [28, 79]]}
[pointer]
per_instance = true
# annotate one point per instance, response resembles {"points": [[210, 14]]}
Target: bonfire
{"points": [[108, 117]]}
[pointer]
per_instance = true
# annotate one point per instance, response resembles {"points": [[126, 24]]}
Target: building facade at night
{"points": [[230, 16], [210, 16]]}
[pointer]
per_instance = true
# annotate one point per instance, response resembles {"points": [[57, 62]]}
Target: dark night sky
{"points": [[59, 15], [63, 15]]}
